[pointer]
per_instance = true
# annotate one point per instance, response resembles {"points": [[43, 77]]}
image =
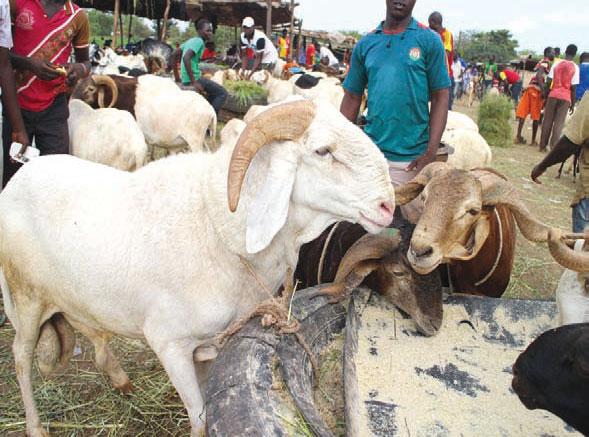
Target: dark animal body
{"points": [[553, 374], [385, 271], [494, 262], [489, 272]]}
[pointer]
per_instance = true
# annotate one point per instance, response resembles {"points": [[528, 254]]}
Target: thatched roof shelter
{"points": [[225, 12]]}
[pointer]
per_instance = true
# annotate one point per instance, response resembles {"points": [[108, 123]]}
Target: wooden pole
{"points": [[130, 27], [300, 40], [165, 26], [122, 30], [292, 16], [269, 18], [116, 22]]}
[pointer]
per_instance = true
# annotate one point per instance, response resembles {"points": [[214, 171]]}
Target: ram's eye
{"points": [[323, 151], [474, 211]]}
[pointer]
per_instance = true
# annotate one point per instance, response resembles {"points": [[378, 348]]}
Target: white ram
{"points": [[278, 89], [470, 149], [107, 136], [157, 254], [457, 120], [169, 117]]}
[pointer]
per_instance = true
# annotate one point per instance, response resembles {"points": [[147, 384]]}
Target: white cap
{"points": [[248, 22]]}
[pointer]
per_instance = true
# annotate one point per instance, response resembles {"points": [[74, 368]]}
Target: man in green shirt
{"points": [[490, 72], [192, 51]]}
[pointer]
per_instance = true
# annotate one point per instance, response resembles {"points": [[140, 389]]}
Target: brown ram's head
{"points": [[457, 207], [383, 256], [92, 90]]}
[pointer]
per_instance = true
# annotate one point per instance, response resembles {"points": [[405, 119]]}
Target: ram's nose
{"points": [[387, 210]]}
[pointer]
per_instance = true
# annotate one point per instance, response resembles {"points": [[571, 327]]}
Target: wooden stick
{"points": [[165, 26]]}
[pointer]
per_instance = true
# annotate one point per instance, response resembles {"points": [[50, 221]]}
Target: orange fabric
{"points": [[530, 104]]}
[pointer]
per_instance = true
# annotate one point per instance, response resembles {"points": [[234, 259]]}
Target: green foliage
{"points": [[102, 23], [480, 46], [495, 113], [353, 33], [245, 91]]}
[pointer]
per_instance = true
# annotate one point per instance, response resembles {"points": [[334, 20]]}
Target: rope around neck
{"points": [[499, 252]]}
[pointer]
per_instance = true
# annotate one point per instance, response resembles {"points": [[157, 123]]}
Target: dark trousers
{"points": [[555, 114], [47, 128], [216, 94]]}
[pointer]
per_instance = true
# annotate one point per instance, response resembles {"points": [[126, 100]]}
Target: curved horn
{"points": [[286, 122], [564, 255], [407, 192], [369, 247], [497, 190], [103, 79]]}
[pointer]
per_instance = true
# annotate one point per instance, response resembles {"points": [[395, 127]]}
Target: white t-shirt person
{"points": [[5, 31], [324, 52], [260, 43]]}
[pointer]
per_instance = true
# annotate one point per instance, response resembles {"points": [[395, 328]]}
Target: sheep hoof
{"points": [[126, 389]]}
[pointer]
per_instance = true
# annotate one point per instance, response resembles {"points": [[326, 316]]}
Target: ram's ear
{"points": [[269, 209]]}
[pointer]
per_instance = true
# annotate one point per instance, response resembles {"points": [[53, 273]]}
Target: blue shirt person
{"points": [[584, 76], [402, 64]]}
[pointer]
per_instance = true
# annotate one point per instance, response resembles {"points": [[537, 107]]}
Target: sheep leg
{"points": [[27, 326], [105, 359], [177, 358]]}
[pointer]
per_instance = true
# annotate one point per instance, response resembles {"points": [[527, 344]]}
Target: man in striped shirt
{"points": [[45, 34]]}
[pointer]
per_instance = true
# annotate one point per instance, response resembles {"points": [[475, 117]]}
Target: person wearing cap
{"points": [[256, 43]]}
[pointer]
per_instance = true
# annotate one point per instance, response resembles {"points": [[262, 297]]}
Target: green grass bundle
{"points": [[245, 92], [495, 113]]}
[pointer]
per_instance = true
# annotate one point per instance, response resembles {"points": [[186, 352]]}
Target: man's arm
{"points": [[79, 69], [43, 69], [437, 124], [563, 149], [351, 106], [243, 54], [257, 62], [187, 59], [10, 101], [573, 98]]}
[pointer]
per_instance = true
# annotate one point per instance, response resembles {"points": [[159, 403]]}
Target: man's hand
{"points": [[43, 69], [422, 161], [536, 173], [75, 72], [22, 138]]}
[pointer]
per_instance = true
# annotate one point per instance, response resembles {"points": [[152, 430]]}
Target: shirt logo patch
{"points": [[415, 54], [25, 19]]}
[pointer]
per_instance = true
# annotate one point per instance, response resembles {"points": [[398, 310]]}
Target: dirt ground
{"points": [[82, 402]]}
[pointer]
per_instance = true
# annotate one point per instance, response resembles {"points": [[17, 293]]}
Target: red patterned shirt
{"points": [[52, 39]]}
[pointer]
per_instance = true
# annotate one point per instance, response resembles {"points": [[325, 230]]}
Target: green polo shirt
{"points": [[400, 72], [197, 45]]}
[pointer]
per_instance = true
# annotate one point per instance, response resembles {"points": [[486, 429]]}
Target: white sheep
{"points": [[457, 120], [107, 136], [572, 294], [279, 68], [470, 149], [157, 254], [232, 130], [278, 89], [169, 117], [328, 88]]}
